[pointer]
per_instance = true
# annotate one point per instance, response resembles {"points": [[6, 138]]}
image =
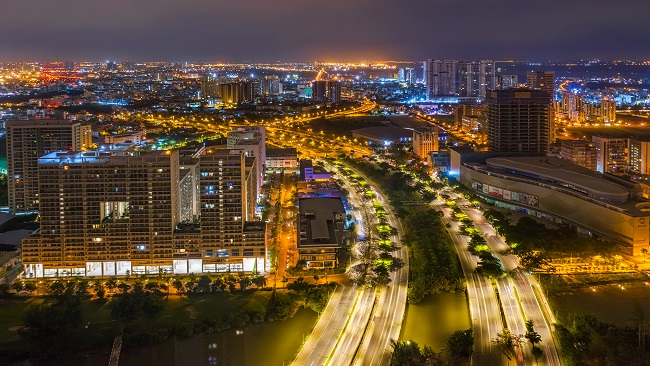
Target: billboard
{"points": [[109, 268], [501, 193], [123, 268]]}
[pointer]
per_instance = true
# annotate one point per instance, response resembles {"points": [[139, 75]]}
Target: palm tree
{"points": [[644, 251]]}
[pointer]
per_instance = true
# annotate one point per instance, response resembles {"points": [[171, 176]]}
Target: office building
{"points": [[321, 222], [309, 172], [127, 213], [425, 141], [29, 140], [542, 80], [519, 120], [467, 109], [612, 154]]}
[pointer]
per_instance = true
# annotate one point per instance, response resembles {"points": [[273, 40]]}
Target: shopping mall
{"points": [[559, 191]]}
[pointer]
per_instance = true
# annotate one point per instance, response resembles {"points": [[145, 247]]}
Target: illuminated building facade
{"points": [[425, 141], [29, 140], [459, 78], [612, 154], [117, 214]]}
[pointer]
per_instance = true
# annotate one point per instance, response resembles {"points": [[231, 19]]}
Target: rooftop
{"points": [[273, 152], [556, 169], [321, 221], [95, 156]]}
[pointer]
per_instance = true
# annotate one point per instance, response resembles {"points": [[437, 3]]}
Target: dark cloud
{"points": [[354, 30]]}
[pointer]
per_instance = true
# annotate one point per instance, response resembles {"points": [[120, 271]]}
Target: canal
{"points": [[433, 320]]}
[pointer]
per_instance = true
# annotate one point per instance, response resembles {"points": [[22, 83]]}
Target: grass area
{"points": [[11, 315], [208, 306], [344, 126]]}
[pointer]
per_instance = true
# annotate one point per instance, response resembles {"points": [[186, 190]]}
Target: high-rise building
{"points": [[612, 154], [467, 79], [459, 78], [29, 140], [425, 141], [519, 120], [118, 214], [640, 156], [319, 91], [326, 91], [272, 85], [486, 77], [406, 75], [542, 80], [575, 108], [237, 92], [608, 111], [507, 81], [579, 152], [440, 77], [572, 106], [334, 91], [102, 214], [251, 140], [210, 87]]}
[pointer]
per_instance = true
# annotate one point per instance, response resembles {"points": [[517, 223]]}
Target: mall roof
{"points": [[556, 169]]}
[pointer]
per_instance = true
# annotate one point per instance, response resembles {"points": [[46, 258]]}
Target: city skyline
{"points": [[242, 31]]}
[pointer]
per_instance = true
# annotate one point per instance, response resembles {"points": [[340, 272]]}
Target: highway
{"points": [[347, 345], [533, 304], [386, 323], [323, 339], [483, 304], [356, 328]]}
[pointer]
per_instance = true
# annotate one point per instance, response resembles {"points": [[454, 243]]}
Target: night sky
{"points": [[334, 30]]}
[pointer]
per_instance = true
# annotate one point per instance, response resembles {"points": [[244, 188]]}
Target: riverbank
{"points": [[95, 323], [268, 343], [556, 284]]}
